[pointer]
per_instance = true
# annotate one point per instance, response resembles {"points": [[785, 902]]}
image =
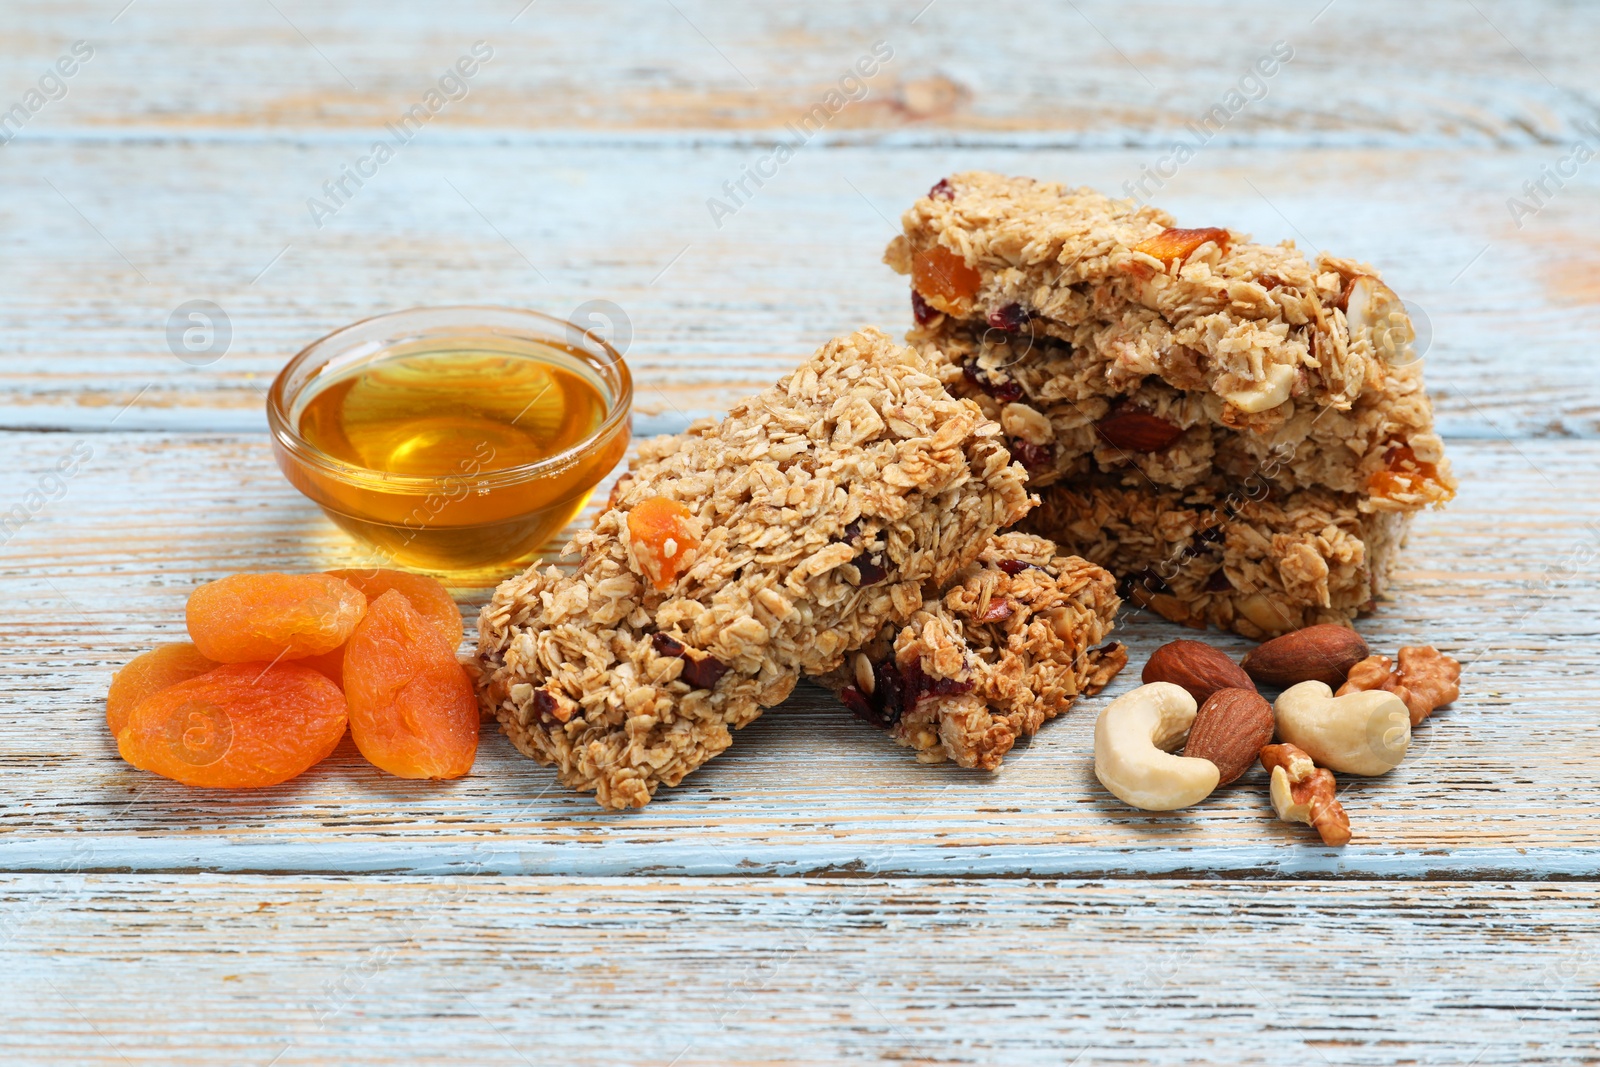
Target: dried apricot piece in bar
{"points": [[149, 673], [664, 535], [245, 618], [1403, 473], [1175, 245], [241, 726], [431, 599], [939, 273], [412, 709]]}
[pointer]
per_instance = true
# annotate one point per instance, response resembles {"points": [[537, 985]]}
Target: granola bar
{"points": [[1058, 406], [1008, 646], [1259, 567], [813, 516], [1140, 370]]}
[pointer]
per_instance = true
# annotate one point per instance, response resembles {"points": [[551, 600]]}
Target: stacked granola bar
{"points": [[820, 509], [1241, 435]]}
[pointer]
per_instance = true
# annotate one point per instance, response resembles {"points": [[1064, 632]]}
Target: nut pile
{"points": [[1342, 709]]}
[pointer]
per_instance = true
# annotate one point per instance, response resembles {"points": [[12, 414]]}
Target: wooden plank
{"points": [[1505, 579], [106, 241], [1094, 72], [179, 166], [487, 970]]}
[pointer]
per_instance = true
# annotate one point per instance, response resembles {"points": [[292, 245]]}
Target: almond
{"points": [[1197, 667], [1229, 730], [1315, 654], [1136, 430], [1373, 310]]}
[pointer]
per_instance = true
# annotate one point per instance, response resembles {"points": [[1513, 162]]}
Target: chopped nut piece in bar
{"points": [[1116, 349], [1010, 645], [818, 510]]}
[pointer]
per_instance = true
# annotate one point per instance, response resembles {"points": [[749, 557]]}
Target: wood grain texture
{"points": [[1505, 580], [1090, 72], [713, 972], [181, 160], [714, 313], [928, 915]]}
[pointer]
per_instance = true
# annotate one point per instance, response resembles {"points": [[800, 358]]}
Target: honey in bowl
{"points": [[458, 412], [452, 439]]}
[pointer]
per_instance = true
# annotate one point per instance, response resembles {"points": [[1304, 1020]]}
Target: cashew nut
{"points": [[1359, 733], [1130, 742]]}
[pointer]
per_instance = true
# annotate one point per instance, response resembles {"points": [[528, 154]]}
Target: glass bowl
{"points": [[475, 521]]}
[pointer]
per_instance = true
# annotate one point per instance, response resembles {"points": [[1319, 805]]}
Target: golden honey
{"points": [[462, 453], [453, 413]]}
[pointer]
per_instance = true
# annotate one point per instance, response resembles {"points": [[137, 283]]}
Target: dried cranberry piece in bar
{"points": [[944, 687], [550, 708], [1034, 457], [1010, 318], [1004, 390], [871, 572], [1148, 581], [888, 690], [667, 645], [1007, 392], [703, 672], [699, 670], [858, 702]]}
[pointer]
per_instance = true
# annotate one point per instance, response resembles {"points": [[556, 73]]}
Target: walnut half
{"points": [[1427, 679]]}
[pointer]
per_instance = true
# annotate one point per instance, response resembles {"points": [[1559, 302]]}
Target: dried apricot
{"points": [[250, 617], [939, 273], [330, 665], [431, 599], [148, 673], [412, 709], [241, 726], [1403, 473], [662, 532], [1175, 245]]}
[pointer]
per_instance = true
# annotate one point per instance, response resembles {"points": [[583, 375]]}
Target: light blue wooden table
{"points": [[813, 896]]}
